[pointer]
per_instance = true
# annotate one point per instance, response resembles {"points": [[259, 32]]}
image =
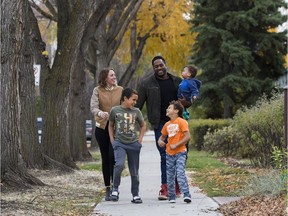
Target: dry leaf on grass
{"points": [[256, 206]]}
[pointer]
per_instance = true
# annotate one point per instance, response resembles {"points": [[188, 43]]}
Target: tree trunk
{"points": [[64, 134], [13, 169], [30, 147], [77, 108], [77, 112], [227, 97], [56, 139]]}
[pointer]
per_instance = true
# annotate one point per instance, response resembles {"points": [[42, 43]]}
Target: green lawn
{"points": [[94, 165], [214, 177]]}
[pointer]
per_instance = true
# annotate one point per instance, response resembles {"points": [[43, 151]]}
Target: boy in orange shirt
{"points": [[178, 135]]}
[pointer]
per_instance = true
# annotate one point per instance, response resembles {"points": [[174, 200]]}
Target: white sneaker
{"points": [[172, 201], [114, 196], [187, 199]]}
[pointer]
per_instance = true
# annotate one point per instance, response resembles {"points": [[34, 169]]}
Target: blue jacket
{"points": [[189, 88]]}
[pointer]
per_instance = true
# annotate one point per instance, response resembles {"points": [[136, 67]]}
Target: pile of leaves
{"points": [[257, 206]]}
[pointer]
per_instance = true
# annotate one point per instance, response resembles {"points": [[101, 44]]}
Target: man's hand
{"points": [[161, 143], [184, 102]]}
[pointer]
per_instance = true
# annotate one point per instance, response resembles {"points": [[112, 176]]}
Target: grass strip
{"points": [[214, 177]]}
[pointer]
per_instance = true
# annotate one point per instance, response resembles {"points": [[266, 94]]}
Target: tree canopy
{"points": [[239, 54], [171, 37]]}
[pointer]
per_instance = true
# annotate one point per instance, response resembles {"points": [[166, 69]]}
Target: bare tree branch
{"points": [[113, 45], [51, 8], [100, 13], [43, 13]]}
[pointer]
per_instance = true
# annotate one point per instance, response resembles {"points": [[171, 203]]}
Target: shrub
{"points": [[199, 128], [261, 127], [279, 158], [225, 141]]}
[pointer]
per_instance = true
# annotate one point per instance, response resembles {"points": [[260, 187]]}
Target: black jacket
{"points": [[149, 92]]}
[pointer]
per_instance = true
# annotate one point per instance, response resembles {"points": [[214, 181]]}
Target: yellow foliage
{"points": [[272, 30], [171, 39], [45, 53]]}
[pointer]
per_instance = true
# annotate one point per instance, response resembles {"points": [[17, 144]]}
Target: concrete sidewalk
{"points": [[149, 187]]}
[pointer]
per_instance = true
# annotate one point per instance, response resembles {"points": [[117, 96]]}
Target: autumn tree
{"points": [[147, 31], [15, 92], [172, 38], [240, 56], [161, 27]]}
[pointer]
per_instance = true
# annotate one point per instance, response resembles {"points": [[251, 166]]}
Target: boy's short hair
{"points": [[192, 69], [128, 92], [178, 106], [158, 57]]}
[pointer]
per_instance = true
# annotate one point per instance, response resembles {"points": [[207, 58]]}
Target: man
{"points": [[158, 90]]}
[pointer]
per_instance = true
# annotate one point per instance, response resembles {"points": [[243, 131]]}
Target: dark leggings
{"points": [[107, 154]]}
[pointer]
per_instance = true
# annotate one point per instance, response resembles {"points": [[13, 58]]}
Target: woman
{"points": [[106, 95]]}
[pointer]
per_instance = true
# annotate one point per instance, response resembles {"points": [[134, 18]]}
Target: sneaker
{"points": [[187, 199], [163, 193], [172, 201], [107, 194], [114, 196], [186, 114], [136, 200]]}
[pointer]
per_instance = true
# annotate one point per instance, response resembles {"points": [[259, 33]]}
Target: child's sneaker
{"points": [[114, 196], [187, 199], [186, 114], [136, 200], [172, 201]]}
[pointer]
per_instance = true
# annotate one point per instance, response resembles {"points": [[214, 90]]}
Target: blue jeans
{"points": [[162, 152]]}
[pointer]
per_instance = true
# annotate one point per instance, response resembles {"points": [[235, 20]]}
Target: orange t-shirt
{"points": [[175, 131]]}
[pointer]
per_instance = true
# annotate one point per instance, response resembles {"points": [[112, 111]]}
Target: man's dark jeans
{"points": [[162, 152]]}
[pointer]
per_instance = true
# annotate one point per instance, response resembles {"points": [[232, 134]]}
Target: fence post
{"points": [[285, 115]]}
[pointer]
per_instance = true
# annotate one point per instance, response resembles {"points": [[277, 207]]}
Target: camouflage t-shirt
{"points": [[126, 123]]}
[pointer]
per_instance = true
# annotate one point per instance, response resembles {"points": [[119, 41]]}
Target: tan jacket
{"points": [[104, 100]]}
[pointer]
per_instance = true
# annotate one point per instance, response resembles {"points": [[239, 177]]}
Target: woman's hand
{"points": [[103, 114]]}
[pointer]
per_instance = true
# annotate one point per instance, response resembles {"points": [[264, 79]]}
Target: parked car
{"points": [[88, 129]]}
